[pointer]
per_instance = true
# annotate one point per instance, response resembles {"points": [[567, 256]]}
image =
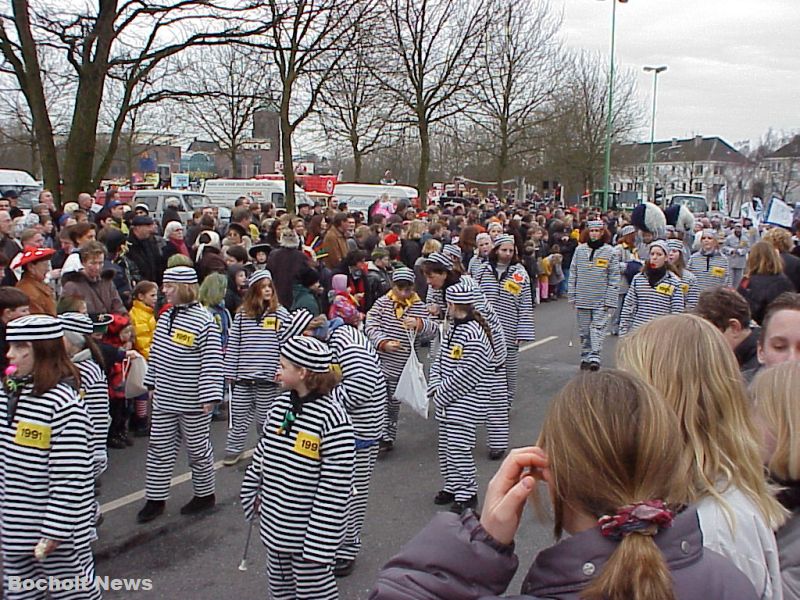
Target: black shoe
{"points": [[459, 507], [443, 498], [199, 504], [152, 509], [141, 432], [99, 521], [585, 366], [594, 367], [116, 442], [496, 454], [343, 567]]}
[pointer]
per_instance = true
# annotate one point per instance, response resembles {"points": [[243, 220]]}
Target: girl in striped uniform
{"points": [[708, 265], [47, 457], [387, 326], [593, 288], [251, 360], [484, 246], [185, 370], [691, 291], [300, 479], [655, 292], [458, 389]]}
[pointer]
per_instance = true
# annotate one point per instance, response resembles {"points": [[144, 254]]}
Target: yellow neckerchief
{"points": [[400, 305]]}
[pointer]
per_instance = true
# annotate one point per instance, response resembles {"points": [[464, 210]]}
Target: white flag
{"points": [[779, 213], [722, 199]]}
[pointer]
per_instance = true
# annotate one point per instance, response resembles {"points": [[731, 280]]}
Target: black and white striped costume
{"points": [[252, 357], [303, 476], [459, 389], [384, 323], [475, 263], [47, 487], [711, 270], [691, 289], [593, 287], [625, 254], [185, 369], [94, 391], [365, 403], [644, 302]]}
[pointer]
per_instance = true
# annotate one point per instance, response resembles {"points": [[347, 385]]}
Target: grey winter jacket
{"points": [[788, 538], [453, 558]]}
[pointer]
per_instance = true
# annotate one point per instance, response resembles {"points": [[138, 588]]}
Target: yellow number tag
{"points": [[685, 288], [665, 288], [456, 352], [271, 323], [183, 338], [307, 445], [336, 369], [512, 287], [718, 271], [601, 262], [32, 435]]}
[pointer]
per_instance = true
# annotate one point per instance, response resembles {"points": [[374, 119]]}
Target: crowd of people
{"points": [[116, 326]]}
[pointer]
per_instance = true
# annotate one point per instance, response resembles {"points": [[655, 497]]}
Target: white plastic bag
{"points": [[412, 388], [134, 370]]}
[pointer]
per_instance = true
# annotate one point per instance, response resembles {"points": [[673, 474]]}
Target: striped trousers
{"points": [[512, 368], [22, 574], [497, 421], [357, 507], [248, 400], [167, 429], [292, 578], [456, 462], [592, 324], [392, 409]]}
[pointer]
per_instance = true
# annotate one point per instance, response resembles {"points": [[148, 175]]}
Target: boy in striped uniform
{"points": [[691, 291], [708, 265], [483, 243], [185, 372], [388, 324], [593, 288], [301, 476], [47, 458], [458, 389]]}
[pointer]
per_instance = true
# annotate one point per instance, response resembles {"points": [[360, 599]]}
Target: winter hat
{"points": [[31, 255], [440, 260], [503, 239], [461, 293], [627, 230], [33, 328], [77, 322], [595, 224], [308, 277], [675, 245], [379, 253], [482, 237], [390, 239], [70, 207], [659, 244], [339, 282], [494, 225], [289, 239], [206, 238], [309, 353], [301, 319], [171, 228], [258, 276], [403, 274], [113, 239], [238, 229], [180, 275], [452, 251], [709, 233]]}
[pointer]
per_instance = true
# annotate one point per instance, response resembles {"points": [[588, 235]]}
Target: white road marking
{"points": [[538, 343]]}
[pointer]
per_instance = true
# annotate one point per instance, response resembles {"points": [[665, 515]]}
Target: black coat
{"points": [[760, 290], [791, 267], [146, 255]]}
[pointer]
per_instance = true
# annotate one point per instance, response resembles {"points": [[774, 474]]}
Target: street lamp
{"points": [[650, 184]]}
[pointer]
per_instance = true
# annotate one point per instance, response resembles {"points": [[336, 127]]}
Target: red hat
{"points": [[31, 255], [390, 239]]}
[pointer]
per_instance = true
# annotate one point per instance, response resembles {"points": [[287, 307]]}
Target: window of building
{"points": [[699, 169], [698, 186], [719, 170], [683, 186]]}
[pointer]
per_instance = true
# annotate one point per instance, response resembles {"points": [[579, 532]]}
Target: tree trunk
{"points": [[358, 160], [286, 157], [424, 160], [502, 157], [233, 155]]}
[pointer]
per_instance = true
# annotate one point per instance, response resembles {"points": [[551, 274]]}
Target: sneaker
{"points": [[199, 504], [342, 567], [443, 498], [496, 454], [151, 510], [459, 507], [231, 458]]}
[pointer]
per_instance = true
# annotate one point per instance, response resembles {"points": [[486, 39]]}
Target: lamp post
{"points": [[650, 184], [607, 169]]}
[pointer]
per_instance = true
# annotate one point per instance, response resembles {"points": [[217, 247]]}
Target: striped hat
{"points": [[503, 239], [675, 245], [309, 353], [76, 322], [301, 319], [33, 328], [595, 225], [403, 274], [659, 244], [452, 250], [709, 233], [481, 237], [627, 230], [180, 275], [258, 276], [461, 293], [439, 259]]}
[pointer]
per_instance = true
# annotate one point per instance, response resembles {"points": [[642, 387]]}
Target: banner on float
{"points": [[779, 213]]}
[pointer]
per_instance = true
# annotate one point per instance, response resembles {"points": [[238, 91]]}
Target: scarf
{"points": [[594, 245], [181, 246], [13, 388], [655, 275], [400, 305], [295, 410]]}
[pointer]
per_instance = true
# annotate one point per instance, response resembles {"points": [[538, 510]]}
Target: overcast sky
{"points": [[733, 65]]}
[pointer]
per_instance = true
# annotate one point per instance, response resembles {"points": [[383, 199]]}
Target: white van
{"points": [[21, 182], [224, 192], [360, 196], [156, 200]]}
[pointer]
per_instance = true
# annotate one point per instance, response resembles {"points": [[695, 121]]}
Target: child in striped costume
{"points": [[48, 464], [301, 477], [484, 246], [458, 389], [593, 288], [708, 265], [691, 291], [655, 292], [185, 370], [387, 326]]}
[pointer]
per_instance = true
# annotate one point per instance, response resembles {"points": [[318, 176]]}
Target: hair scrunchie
{"points": [[645, 518]]}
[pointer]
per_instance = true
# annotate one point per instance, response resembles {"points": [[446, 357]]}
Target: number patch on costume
{"points": [[601, 263], [456, 352], [512, 287], [307, 445], [183, 338], [718, 271], [32, 435], [665, 289], [685, 288], [272, 323]]}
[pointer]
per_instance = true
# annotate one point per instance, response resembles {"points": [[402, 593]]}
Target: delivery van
{"points": [[360, 196], [224, 192]]}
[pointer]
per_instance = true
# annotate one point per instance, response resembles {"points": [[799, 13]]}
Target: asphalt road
{"points": [[198, 557]]}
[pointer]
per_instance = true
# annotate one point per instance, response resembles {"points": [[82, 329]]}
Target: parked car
{"points": [[186, 201], [26, 187]]}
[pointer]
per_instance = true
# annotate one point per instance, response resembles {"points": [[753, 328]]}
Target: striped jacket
{"points": [[362, 380], [691, 290], [625, 254], [711, 271], [303, 479], [644, 303], [383, 324], [185, 366], [594, 277], [47, 474], [94, 391], [510, 297], [458, 384], [254, 345], [475, 264]]}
